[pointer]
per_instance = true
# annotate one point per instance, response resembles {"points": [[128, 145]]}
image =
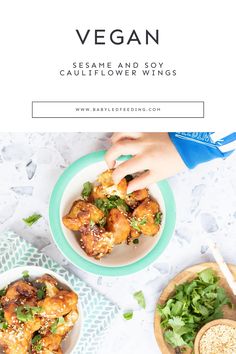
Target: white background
{"points": [[38, 38]]}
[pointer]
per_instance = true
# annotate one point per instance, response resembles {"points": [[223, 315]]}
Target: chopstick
{"points": [[222, 265]]}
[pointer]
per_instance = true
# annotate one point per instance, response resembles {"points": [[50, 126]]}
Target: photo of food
{"points": [[117, 242], [36, 314], [108, 216]]}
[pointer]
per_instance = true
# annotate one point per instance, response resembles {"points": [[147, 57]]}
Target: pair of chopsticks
{"points": [[222, 265]]}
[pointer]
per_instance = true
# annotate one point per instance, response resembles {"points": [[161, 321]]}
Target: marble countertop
{"points": [[205, 201]]}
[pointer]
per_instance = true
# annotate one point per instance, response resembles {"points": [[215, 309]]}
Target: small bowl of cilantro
{"points": [[38, 307], [194, 298], [102, 229]]}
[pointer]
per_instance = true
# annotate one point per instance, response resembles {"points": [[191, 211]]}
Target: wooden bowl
{"points": [[222, 321], [188, 275]]}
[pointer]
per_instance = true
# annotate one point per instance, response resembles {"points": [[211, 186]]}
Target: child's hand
{"points": [[153, 153]]}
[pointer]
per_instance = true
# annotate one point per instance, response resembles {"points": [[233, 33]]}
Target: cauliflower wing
{"points": [[20, 291], [58, 305], [19, 306], [17, 337], [69, 321], [82, 213], [109, 187], [118, 224], [144, 217], [96, 241], [15, 340], [51, 342], [50, 284], [133, 199]]}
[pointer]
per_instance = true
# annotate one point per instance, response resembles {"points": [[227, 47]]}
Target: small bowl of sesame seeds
{"points": [[216, 337]]}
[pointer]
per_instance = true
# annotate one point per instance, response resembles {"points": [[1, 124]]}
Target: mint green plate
{"points": [[80, 261]]}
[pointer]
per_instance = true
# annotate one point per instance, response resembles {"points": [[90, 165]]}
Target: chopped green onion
{"points": [[25, 275], [41, 293], [158, 218], [36, 345], [36, 338], [143, 221], [58, 321], [136, 241], [112, 202]]}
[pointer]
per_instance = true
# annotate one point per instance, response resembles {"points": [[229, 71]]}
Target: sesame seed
{"points": [[219, 339]]}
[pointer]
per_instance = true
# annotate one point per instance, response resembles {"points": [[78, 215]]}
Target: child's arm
{"points": [[162, 155]]}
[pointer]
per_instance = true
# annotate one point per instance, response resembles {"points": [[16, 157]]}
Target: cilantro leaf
{"points": [[174, 339], [176, 323], [135, 223], [26, 313], [87, 190], [192, 305], [207, 276], [112, 202], [139, 297], [32, 219], [3, 292], [128, 315]]}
